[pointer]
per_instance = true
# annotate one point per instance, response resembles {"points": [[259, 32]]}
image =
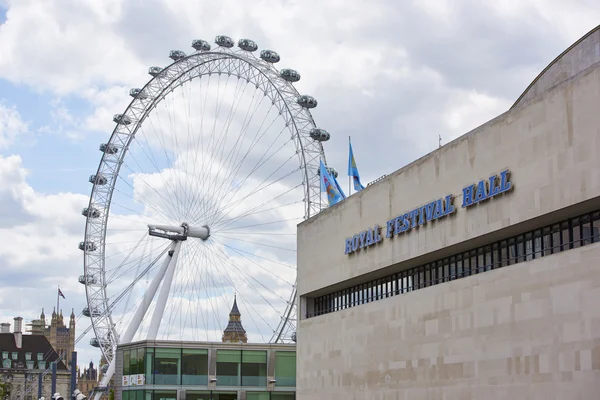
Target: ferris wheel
{"points": [[196, 201]]}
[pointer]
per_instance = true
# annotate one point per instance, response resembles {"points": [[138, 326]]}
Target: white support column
{"points": [[163, 296], [137, 318]]}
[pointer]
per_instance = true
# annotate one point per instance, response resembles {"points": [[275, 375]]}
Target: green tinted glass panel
{"points": [[195, 351], [149, 367], [126, 366], [125, 395], [283, 396], [197, 395], [229, 356], [168, 353], [257, 396], [140, 358], [133, 364], [254, 356], [285, 368]]}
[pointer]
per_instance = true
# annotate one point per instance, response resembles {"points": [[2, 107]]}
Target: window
{"points": [[163, 395], [167, 366], [197, 395], [194, 367], [4, 355], [283, 396], [28, 356], [14, 355], [224, 395], [258, 396], [149, 361], [254, 368], [40, 356], [41, 364], [7, 363], [30, 364], [126, 364], [133, 362], [285, 368], [228, 367]]}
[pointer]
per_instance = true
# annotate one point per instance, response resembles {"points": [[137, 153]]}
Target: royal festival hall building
{"points": [[473, 272]]}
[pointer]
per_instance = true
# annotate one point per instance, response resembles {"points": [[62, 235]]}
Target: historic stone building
{"points": [[23, 359], [234, 332], [61, 337], [88, 379]]}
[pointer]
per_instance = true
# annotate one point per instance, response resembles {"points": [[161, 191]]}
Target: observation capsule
{"points": [[290, 75], [121, 119], [201, 45], [320, 135], [176, 55], [98, 179], [269, 56], [294, 337], [109, 148], [87, 279], [104, 368], [137, 93], [224, 41], [247, 44], [154, 70], [90, 312], [87, 245], [330, 171], [90, 212], [94, 342], [307, 101]]}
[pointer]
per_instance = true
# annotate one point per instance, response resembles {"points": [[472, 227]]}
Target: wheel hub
{"points": [[182, 232]]}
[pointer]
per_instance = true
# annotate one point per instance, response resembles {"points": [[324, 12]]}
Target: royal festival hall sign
{"points": [[434, 210]]}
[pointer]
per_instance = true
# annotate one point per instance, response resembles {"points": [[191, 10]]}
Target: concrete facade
{"points": [[526, 331]]}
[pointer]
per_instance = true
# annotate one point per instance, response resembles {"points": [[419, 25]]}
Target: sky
{"points": [[394, 76]]}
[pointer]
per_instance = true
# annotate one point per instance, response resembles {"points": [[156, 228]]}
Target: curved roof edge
{"points": [[582, 64]]}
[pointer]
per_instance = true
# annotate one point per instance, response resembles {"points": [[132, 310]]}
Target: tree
{"points": [[111, 394], [4, 390]]}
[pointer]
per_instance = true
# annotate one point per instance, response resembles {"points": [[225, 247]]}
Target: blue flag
{"points": [[353, 171], [330, 186]]}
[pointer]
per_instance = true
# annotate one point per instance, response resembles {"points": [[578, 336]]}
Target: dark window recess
{"points": [[569, 234]]}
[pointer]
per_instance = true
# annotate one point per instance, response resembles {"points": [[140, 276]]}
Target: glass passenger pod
{"points": [[176, 55], [94, 342], [90, 212], [332, 171], [90, 312], [290, 75], [320, 135], [121, 119], [154, 70], [247, 45], [269, 56], [307, 101], [87, 279], [224, 41], [86, 245], [104, 368], [109, 148], [99, 179], [201, 45], [137, 93]]}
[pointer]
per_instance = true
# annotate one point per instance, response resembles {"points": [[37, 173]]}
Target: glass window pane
{"points": [[596, 227], [254, 368], [586, 229], [512, 251], [197, 395], [576, 229], [167, 366], [194, 367], [126, 365], [133, 364], [488, 258], [537, 244], [140, 358], [520, 248], [495, 256], [566, 237], [139, 394], [282, 396], [258, 396], [285, 368], [125, 395], [163, 395], [547, 241], [224, 395], [528, 246], [149, 366], [228, 367], [452, 268]]}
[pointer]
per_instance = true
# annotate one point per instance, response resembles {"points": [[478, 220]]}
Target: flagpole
{"points": [[349, 177], [57, 299]]}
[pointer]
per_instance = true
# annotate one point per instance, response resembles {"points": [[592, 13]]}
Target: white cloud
{"points": [[11, 126]]}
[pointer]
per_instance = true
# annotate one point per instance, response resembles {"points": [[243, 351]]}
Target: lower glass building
{"points": [[168, 370]]}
